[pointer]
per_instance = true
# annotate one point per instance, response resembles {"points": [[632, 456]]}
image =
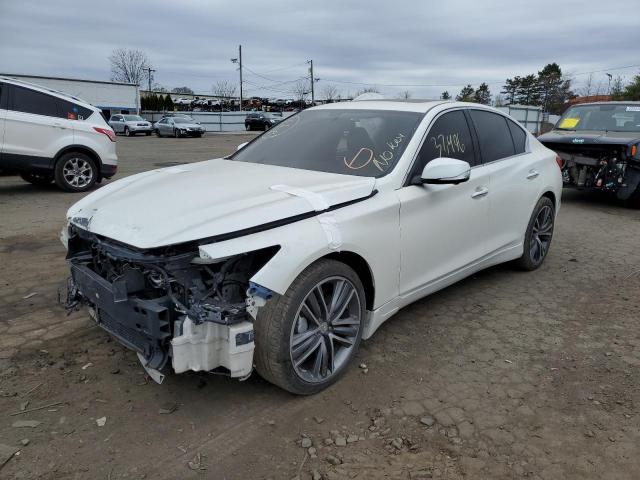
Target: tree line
{"points": [[549, 88], [156, 103]]}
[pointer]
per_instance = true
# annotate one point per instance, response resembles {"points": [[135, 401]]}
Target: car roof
{"points": [[411, 105], [611, 102], [49, 91]]}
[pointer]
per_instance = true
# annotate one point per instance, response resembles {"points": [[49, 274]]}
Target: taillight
{"points": [[559, 161], [634, 150], [106, 131]]}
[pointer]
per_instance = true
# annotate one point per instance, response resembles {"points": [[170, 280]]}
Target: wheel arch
{"points": [[362, 269], [551, 196], [81, 149]]}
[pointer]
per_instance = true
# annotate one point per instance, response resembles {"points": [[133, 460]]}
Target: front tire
{"points": [[127, 132], [176, 133], [537, 239], [75, 172], [306, 338]]}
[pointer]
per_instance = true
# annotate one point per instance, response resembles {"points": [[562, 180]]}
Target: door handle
{"points": [[532, 174], [480, 192]]}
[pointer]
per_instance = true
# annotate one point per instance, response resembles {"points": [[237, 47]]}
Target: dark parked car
{"points": [[599, 148], [260, 121]]}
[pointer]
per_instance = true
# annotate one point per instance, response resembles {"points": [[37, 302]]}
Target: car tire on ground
{"points": [[537, 239], [176, 133], [247, 127], [158, 133], [39, 180], [127, 133], [285, 329], [75, 172], [147, 133]]}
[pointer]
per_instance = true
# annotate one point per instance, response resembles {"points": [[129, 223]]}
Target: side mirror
{"points": [[241, 146], [445, 171]]}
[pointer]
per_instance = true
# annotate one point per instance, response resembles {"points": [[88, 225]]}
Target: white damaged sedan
{"points": [[286, 254]]}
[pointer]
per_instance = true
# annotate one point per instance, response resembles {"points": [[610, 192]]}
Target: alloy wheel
{"points": [[77, 172], [541, 234], [325, 329]]}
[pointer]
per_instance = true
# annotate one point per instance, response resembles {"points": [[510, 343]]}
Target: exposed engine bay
{"points": [[169, 303], [608, 168], [599, 147]]}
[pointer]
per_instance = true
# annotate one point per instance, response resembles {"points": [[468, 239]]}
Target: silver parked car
{"points": [[178, 127], [130, 124]]}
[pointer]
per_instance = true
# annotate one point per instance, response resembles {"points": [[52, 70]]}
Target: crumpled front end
{"points": [[171, 306]]}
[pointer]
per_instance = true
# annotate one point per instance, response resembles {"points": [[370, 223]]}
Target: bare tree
{"points": [[182, 91], [406, 95], [129, 66], [330, 93], [587, 89], [224, 89], [301, 89]]}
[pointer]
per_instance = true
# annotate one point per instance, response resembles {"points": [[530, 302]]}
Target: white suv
{"points": [[48, 136]]}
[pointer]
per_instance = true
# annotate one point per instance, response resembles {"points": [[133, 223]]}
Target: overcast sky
{"points": [[393, 45]]}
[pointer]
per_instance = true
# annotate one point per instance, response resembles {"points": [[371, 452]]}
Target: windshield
{"points": [[605, 117], [133, 118], [366, 143]]}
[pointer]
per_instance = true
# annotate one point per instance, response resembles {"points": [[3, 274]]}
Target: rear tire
{"points": [[38, 180], [336, 334], [537, 239], [75, 172]]}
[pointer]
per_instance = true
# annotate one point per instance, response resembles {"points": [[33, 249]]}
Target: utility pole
{"points": [[239, 60], [149, 70], [313, 97], [240, 57]]}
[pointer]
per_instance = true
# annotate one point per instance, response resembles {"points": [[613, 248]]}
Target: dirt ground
{"points": [[504, 375]]}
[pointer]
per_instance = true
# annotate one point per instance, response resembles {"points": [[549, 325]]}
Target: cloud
{"points": [[352, 43]]}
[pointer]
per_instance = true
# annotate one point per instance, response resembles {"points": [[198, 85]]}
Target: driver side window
{"points": [[448, 137]]}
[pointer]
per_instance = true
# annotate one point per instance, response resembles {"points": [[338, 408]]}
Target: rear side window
{"points": [[30, 101], [73, 111], [449, 137], [493, 135], [3, 96], [519, 137]]}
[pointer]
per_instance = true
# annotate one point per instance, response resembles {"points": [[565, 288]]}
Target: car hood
{"points": [[199, 200], [589, 137]]}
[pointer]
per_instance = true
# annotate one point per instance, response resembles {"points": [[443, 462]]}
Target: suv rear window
{"points": [[30, 101]]}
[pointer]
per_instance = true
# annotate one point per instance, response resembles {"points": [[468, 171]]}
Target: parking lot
{"points": [[504, 375]]}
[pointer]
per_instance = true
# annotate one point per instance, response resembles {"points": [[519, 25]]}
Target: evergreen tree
{"points": [[632, 90], [467, 94], [445, 95], [168, 103], [482, 94], [510, 88]]}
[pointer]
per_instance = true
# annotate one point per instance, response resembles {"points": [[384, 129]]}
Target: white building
{"points": [[110, 97]]}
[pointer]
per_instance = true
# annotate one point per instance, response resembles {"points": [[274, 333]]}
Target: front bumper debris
{"points": [[168, 305]]}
